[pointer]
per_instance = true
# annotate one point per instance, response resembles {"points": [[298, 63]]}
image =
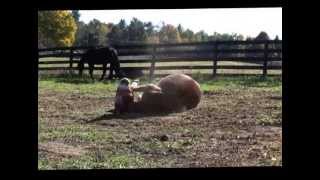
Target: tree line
{"points": [[64, 28]]}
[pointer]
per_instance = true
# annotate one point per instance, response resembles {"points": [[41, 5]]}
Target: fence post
{"points": [[265, 62], [152, 63], [215, 58], [71, 58]]}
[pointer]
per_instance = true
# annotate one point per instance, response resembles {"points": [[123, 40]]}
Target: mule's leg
{"points": [[104, 71], [91, 66]]}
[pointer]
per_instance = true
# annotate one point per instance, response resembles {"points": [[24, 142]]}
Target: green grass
{"points": [[73, 83], [78, 134], [221, 82], [179, 63], [115, 153], [83, 133], [267, 120], [94, 160]]}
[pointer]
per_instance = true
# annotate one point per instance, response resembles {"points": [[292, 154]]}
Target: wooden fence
{"points": [[259, 52]]}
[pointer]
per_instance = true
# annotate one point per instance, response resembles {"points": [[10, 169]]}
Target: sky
{"points": [[245, 21]]}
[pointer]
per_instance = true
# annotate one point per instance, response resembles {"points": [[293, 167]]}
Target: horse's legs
{"points": [[91, 66], [111, 71], [80, 66], [116, 66], [104, 71]]}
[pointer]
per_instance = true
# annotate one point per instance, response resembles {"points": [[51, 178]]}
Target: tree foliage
{"points": [[57, 28], [75, 15], [64, 28], [169, 34], [136, 31]]}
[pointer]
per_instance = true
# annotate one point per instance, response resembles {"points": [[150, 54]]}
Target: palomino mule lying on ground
{"points": [[173, 93]]}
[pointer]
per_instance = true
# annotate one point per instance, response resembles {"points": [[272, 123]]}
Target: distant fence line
{"points": [[260, 52]]}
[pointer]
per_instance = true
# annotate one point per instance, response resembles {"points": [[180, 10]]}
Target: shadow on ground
{"points": [[111, 116]]}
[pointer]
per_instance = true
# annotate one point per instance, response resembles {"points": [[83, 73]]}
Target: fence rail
{"points": [[258, 52]]}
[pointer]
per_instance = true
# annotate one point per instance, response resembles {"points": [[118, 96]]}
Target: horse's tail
{"points": [[114, 54], [116, 62]]}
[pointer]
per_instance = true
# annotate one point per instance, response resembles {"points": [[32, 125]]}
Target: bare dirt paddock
{"points": [[232, 126]]}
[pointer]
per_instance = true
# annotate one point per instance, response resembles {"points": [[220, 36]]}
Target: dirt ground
{"points": [[228, 128]]}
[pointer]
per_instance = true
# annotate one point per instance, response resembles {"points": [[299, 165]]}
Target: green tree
{"points": [[114, 35], [180, 29], [82, 34], [97, 33], [188, 35], [123, 30], [58, 28], [118, 32], [185, 35], [41, 40], [136, 31], [169, 34], [76, 15], [92, 34], [201, 36], [262, 36], [153, 39], [149, 28], [152, 34], [276, 46]]}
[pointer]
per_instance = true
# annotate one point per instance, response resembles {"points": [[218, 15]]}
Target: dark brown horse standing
{"points": [[102, 56]]}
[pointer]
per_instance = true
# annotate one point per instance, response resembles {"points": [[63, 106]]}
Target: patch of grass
{"points": [[74, 83], [84, 86], [74, 132], [85, 162], [208, 83], [270, 162], [116, 153], [126, 161], [268, 120], [157, 147], [44, 164], [272, 156], [94, 161]]}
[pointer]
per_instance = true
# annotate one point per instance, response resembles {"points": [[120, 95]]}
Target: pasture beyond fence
{"points": [[261, 53]]}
